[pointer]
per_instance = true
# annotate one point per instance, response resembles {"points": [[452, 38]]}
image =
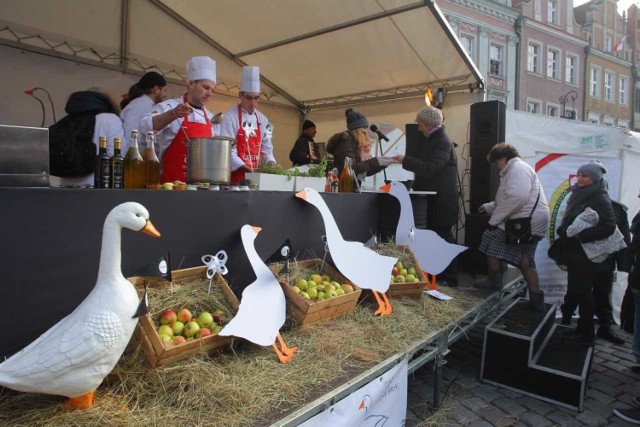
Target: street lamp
{"points": [[563, 101]]}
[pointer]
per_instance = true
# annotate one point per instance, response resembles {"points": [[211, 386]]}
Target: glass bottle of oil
{"points": [[117, 165], [347, 181], [151, 163], [102, 167], [134, 172]]}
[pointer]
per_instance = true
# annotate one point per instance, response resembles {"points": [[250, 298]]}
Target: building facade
{"points": [[550, 59], [487, 31]]}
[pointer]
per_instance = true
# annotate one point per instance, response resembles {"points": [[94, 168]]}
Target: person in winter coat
{"points": [[355, 143], [589, 192], [633, 414], [435, 169], [303, 151], [519, 195]]}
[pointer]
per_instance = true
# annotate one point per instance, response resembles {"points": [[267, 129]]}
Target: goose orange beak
{"points": [[256, 229], [302, 194], [386, 187], [150, 229]]}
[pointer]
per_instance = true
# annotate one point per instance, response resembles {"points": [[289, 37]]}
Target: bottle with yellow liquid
{"points": [[347, 181], [151, 163], [134, 172]]}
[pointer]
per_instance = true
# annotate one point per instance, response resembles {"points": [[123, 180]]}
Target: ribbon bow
{"points": [[215, 264]]}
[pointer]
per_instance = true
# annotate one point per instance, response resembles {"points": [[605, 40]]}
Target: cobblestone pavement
{"points": [[468, 402]]}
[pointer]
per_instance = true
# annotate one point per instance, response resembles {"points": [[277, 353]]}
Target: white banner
{"points": [[381, 402], [557, 173]]}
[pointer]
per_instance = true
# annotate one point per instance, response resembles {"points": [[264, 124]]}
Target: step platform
{"points": [[526, 351]]}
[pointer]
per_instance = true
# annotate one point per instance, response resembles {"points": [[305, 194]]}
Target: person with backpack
{"points": [[73, 140]]}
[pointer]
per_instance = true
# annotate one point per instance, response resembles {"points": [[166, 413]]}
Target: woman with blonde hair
{"points": [[355, 143]]}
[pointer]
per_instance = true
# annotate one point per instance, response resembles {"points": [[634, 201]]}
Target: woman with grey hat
{"points": [[589, 192], [355, 143]]}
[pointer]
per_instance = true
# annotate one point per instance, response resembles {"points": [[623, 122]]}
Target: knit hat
{"points": [[430, 116], [308, 124], [355, 119], [201, 68], [151, 79], [592, 170]]}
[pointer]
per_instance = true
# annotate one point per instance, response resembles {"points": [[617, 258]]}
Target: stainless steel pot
{"points": [[209, 160]]}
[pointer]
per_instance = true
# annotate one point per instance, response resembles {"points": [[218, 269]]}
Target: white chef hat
{"points": [[250, 79], [201, 68]]}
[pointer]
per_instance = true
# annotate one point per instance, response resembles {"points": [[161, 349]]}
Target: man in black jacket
{"points": [[303, 151], [436, 169]]}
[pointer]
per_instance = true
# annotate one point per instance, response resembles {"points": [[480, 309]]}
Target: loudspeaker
{"points": [[414, 138], [472, 260], [487, 129]]}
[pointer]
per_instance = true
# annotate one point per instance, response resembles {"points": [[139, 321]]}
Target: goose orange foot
{"points": [[285, 355], [384, 306], [81, 402]]}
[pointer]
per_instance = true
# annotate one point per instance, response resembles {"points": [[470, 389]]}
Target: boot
{"points": [[493, 281], [585, 333], [606, 333], [536, 301]]}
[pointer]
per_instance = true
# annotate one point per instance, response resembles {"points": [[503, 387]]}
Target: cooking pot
{"points": [[209, 160]]}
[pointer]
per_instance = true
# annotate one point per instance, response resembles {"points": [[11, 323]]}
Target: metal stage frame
{"points": [[434, 348]]}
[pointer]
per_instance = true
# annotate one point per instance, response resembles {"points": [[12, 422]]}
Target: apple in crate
{"points": [[178, 340], [191, 329], [205, 319], [184, 315], [168, 317], [203, 332], [165, 330], [177, 327]]}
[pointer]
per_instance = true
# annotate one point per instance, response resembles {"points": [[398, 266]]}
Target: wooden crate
{"points": [[159, 354], [412, 289], [310, 311]]}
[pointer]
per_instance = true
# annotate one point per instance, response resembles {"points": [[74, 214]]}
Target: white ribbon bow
{"points": [[215, 264]]}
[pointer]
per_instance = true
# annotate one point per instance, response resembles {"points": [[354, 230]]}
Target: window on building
{"points": [[533, 58], [553, 64], [553, 111], [623, 85], [593, 117], [571, 69], [607, 121], [496, 55], [552, 11], [608, 86], [469, 44], [608, 42], [594, 83], [533, 107]]}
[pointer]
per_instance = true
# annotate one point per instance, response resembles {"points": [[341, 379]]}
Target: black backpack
{"points": [[71, 148]]}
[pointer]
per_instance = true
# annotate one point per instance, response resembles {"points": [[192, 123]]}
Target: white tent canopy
{"points": [[311, 53]]}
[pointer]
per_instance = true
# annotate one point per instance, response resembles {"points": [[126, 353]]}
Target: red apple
{"points": [[203, 332], [168, 317], [184, 315], [395, 271], [178, 340]]}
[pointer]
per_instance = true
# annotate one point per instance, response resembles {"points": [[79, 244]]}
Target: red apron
{"points": [[248, 148], [174, 159]]}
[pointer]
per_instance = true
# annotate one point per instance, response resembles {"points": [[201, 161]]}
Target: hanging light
{"points": [[428, 97]]}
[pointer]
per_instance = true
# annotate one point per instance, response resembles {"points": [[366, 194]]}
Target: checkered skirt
{"points": [[494, 244]]}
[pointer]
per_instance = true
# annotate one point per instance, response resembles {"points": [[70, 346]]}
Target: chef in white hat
{"points": [[249, 127], [177, 120]]}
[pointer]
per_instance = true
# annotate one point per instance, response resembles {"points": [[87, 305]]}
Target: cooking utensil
{"points": [[209, 160]]}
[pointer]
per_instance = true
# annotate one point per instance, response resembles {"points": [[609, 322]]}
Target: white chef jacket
{"points": [[132, 114], [230, 125], [107, 124], [165, 136]]}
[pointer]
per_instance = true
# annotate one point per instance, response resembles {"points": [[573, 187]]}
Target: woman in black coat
{"points": [[590, 192]]}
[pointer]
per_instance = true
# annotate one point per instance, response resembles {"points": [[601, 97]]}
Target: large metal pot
{"points": [[209, 160]]}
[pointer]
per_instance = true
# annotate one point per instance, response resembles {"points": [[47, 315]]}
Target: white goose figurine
{"points": [[262, 310], [434, 253], [364, 267], [73, 357]]}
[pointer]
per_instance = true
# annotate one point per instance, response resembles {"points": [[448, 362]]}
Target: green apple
{"points": [[412, 271], [205, 319], [403, 272], [296, 289], [165, 330], [302, 284], [326, 278], [313, 293], [305, 295], [321, 296], [399, 265], [340, 292], [409, 277], [400, 279], [177, 327], [330, 294], [165, 338], [191, 329]]}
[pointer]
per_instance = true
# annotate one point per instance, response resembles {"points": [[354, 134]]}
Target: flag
{"points": [[283, 253], [620, 45], [160, 268]]}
